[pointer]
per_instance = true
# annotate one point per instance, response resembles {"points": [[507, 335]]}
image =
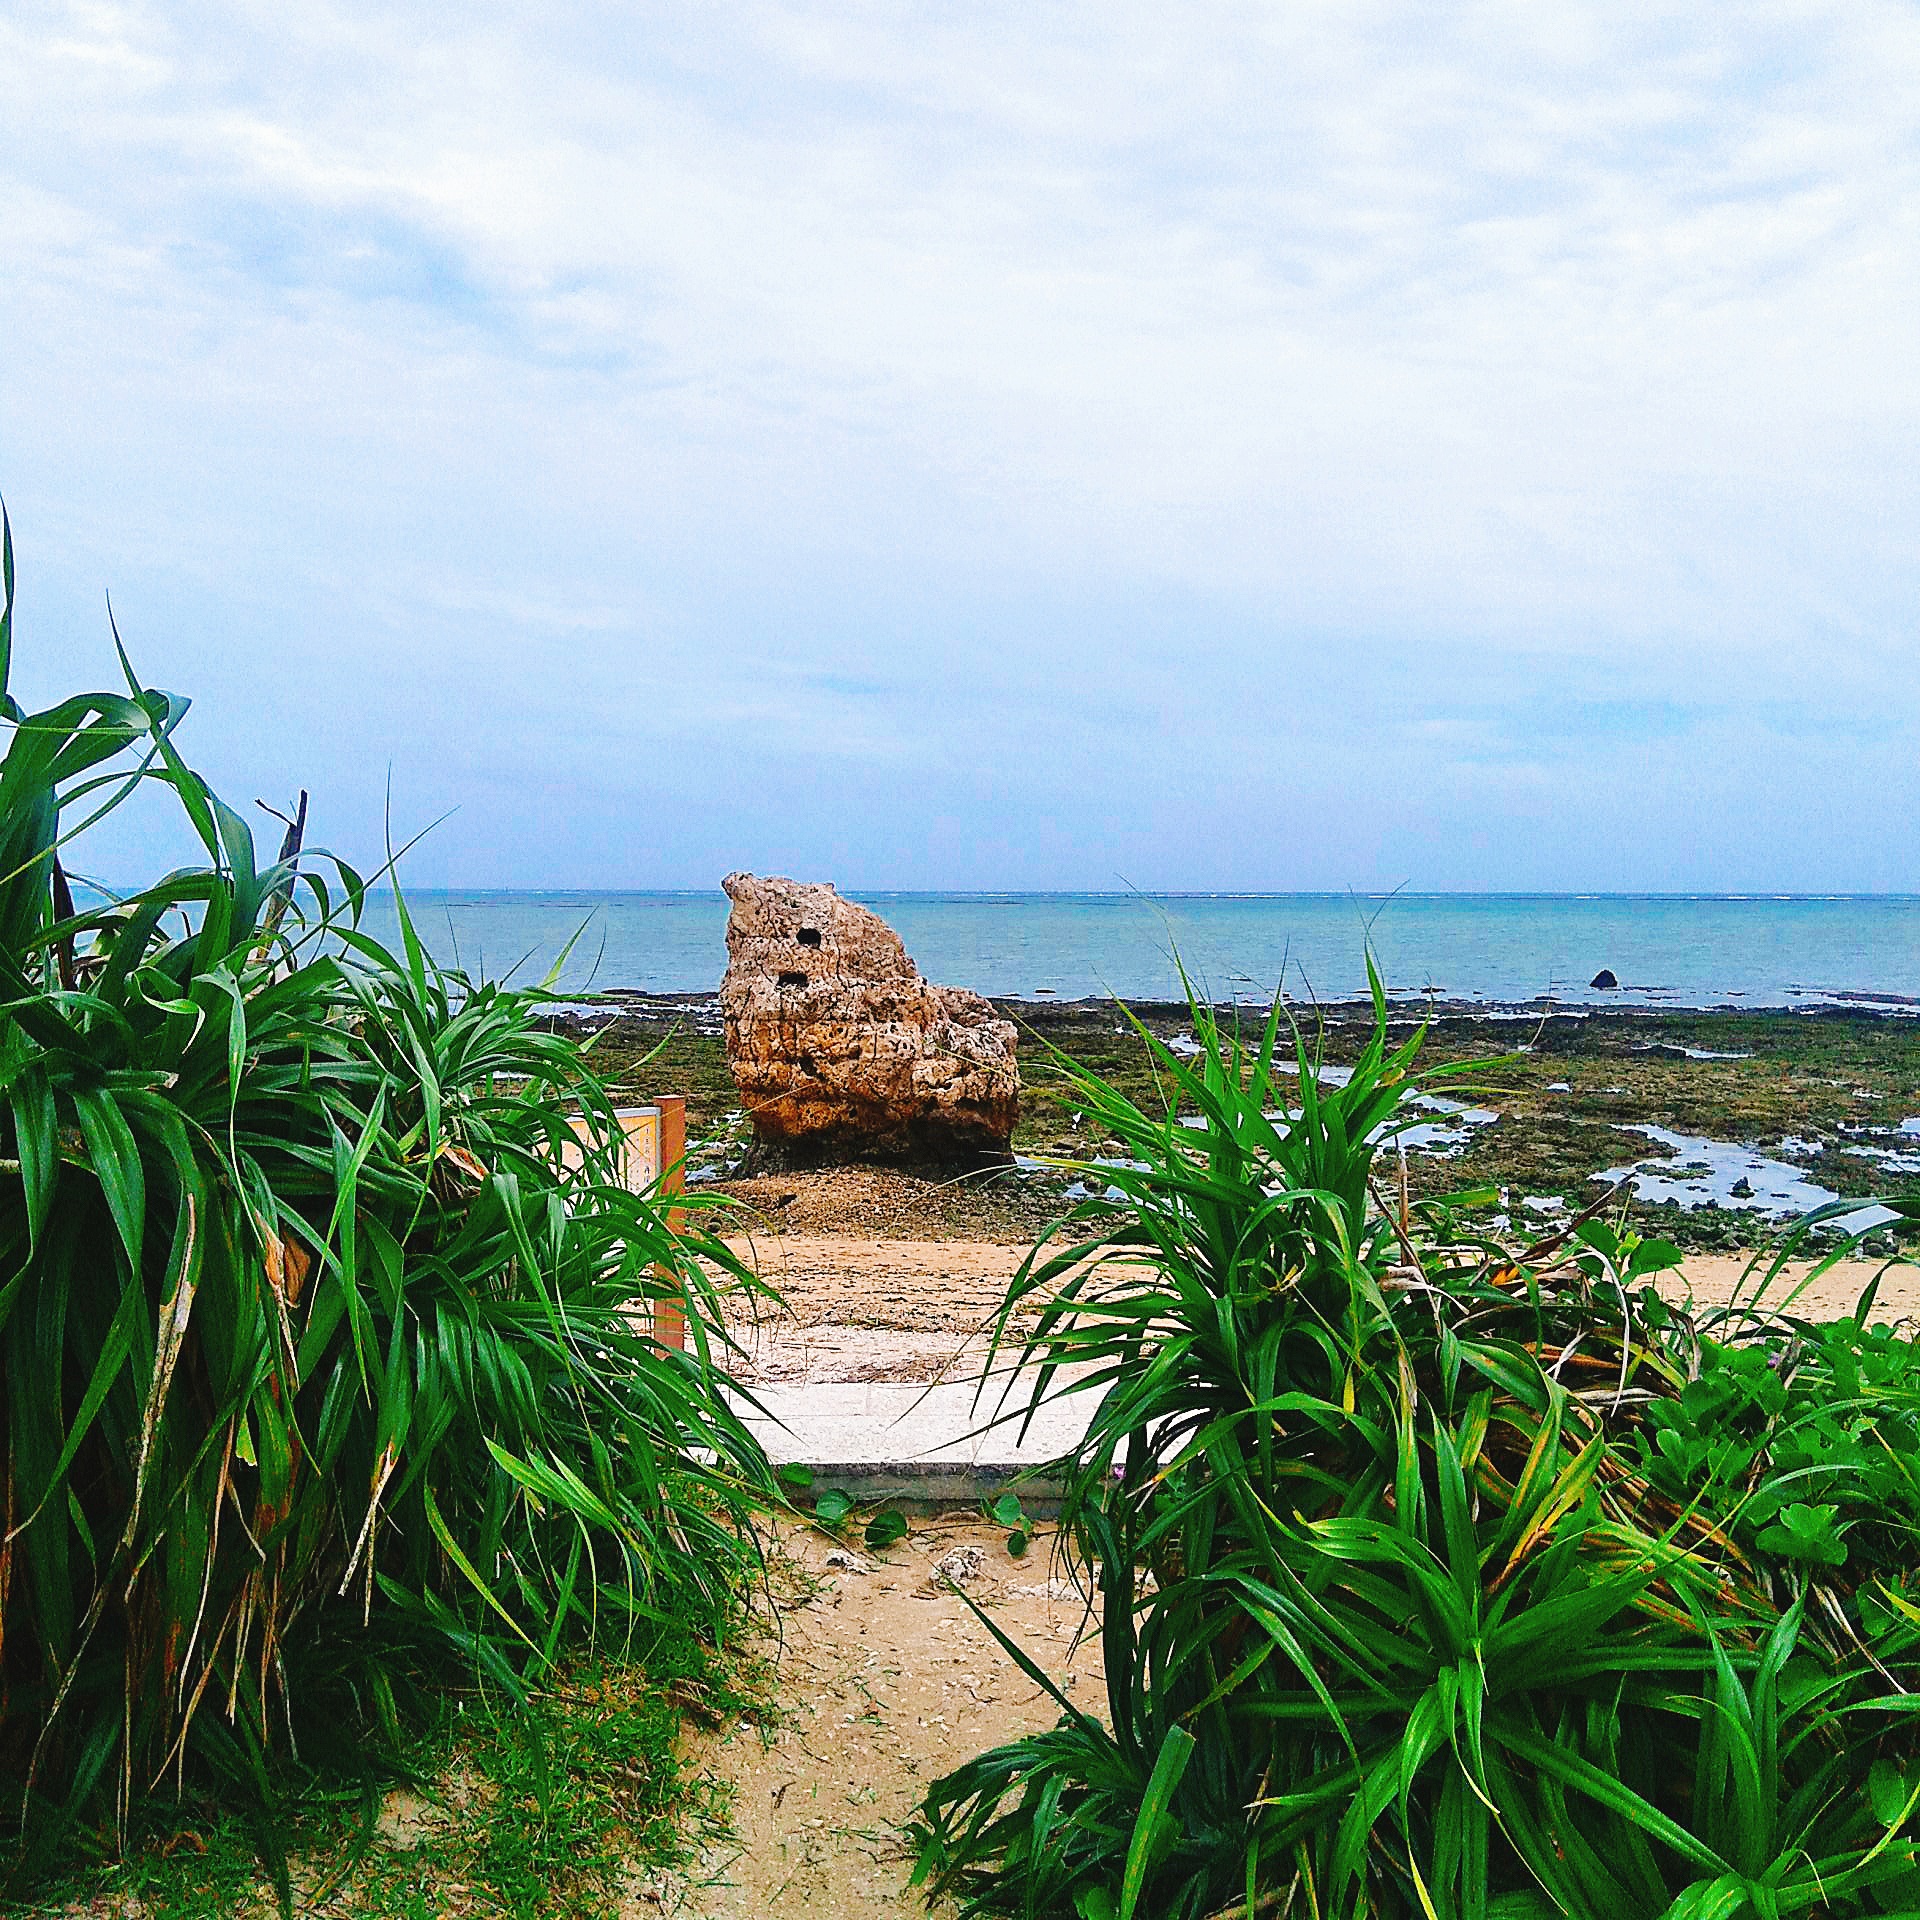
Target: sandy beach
{"points": [[889, 1676], [858, 1308]]}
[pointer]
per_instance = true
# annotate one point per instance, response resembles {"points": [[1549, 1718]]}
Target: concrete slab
{"points": [[912, 1445], [838, 1350]]}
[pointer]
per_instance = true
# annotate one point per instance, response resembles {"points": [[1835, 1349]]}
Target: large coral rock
{"points": [[840, 1049]]}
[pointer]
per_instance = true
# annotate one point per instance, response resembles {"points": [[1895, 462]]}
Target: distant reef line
{"points": [[1404, 1005]]}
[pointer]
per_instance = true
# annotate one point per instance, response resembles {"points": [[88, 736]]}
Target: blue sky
{"points": [[1317, 446]]}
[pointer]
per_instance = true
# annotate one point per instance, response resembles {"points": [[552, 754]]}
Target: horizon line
{"points": [[1746, 894]]}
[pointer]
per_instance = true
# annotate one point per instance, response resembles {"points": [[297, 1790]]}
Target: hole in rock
{"points": [[809, 936], [793, 980]]}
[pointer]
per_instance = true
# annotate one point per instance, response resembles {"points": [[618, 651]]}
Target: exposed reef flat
{"points": [[1826, 1094]]}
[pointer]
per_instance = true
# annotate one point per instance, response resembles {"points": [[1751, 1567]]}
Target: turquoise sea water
{"points": [[1667, 950]]}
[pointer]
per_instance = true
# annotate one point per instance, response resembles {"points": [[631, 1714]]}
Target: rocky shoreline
{"points": [[1782, 1101]]}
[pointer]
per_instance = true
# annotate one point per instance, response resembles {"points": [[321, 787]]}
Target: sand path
{"points": [[887, 1677], [888, 1680], [837, 1285], [1712, 1278]]}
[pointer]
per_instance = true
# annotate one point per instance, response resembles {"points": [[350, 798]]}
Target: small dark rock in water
{"points": [[1742, 1189], [1605, 978]]}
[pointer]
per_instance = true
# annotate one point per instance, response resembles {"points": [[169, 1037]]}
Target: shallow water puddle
{"points": [[1442, 1138], [1672, 1050], [1890, 1159], [1702, 1172], [1708, 1173], [1446, 1137], [1895, 1149]]}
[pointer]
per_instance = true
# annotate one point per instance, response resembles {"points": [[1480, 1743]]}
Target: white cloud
{"points": [[1080, 379]]}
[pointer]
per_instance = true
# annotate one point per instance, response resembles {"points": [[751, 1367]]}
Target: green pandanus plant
{"points": [[1394, 1620], [322, 1345]]}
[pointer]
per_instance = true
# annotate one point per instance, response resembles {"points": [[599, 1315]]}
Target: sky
{"points": [[988, 446]]}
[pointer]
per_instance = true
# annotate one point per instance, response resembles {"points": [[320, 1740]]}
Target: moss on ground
{"points": [[1564, 1085], [569, 1804]]}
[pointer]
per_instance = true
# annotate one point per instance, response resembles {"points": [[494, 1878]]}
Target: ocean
{"points": [[1667, 950]]}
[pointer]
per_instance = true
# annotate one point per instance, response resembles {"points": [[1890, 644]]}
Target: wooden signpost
{"points": [[670, 1316], [653, 1147]]}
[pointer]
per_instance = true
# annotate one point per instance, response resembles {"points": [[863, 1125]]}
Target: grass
{"points": [[1436, 1580], [323, 1323], [556, 1805]]}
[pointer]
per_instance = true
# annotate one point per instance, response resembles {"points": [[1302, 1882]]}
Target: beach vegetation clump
{"points": [[1441, 1573], [323, 1316]]}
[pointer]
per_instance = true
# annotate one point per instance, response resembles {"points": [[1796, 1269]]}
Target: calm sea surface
{"points": [[1667, 950]]}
